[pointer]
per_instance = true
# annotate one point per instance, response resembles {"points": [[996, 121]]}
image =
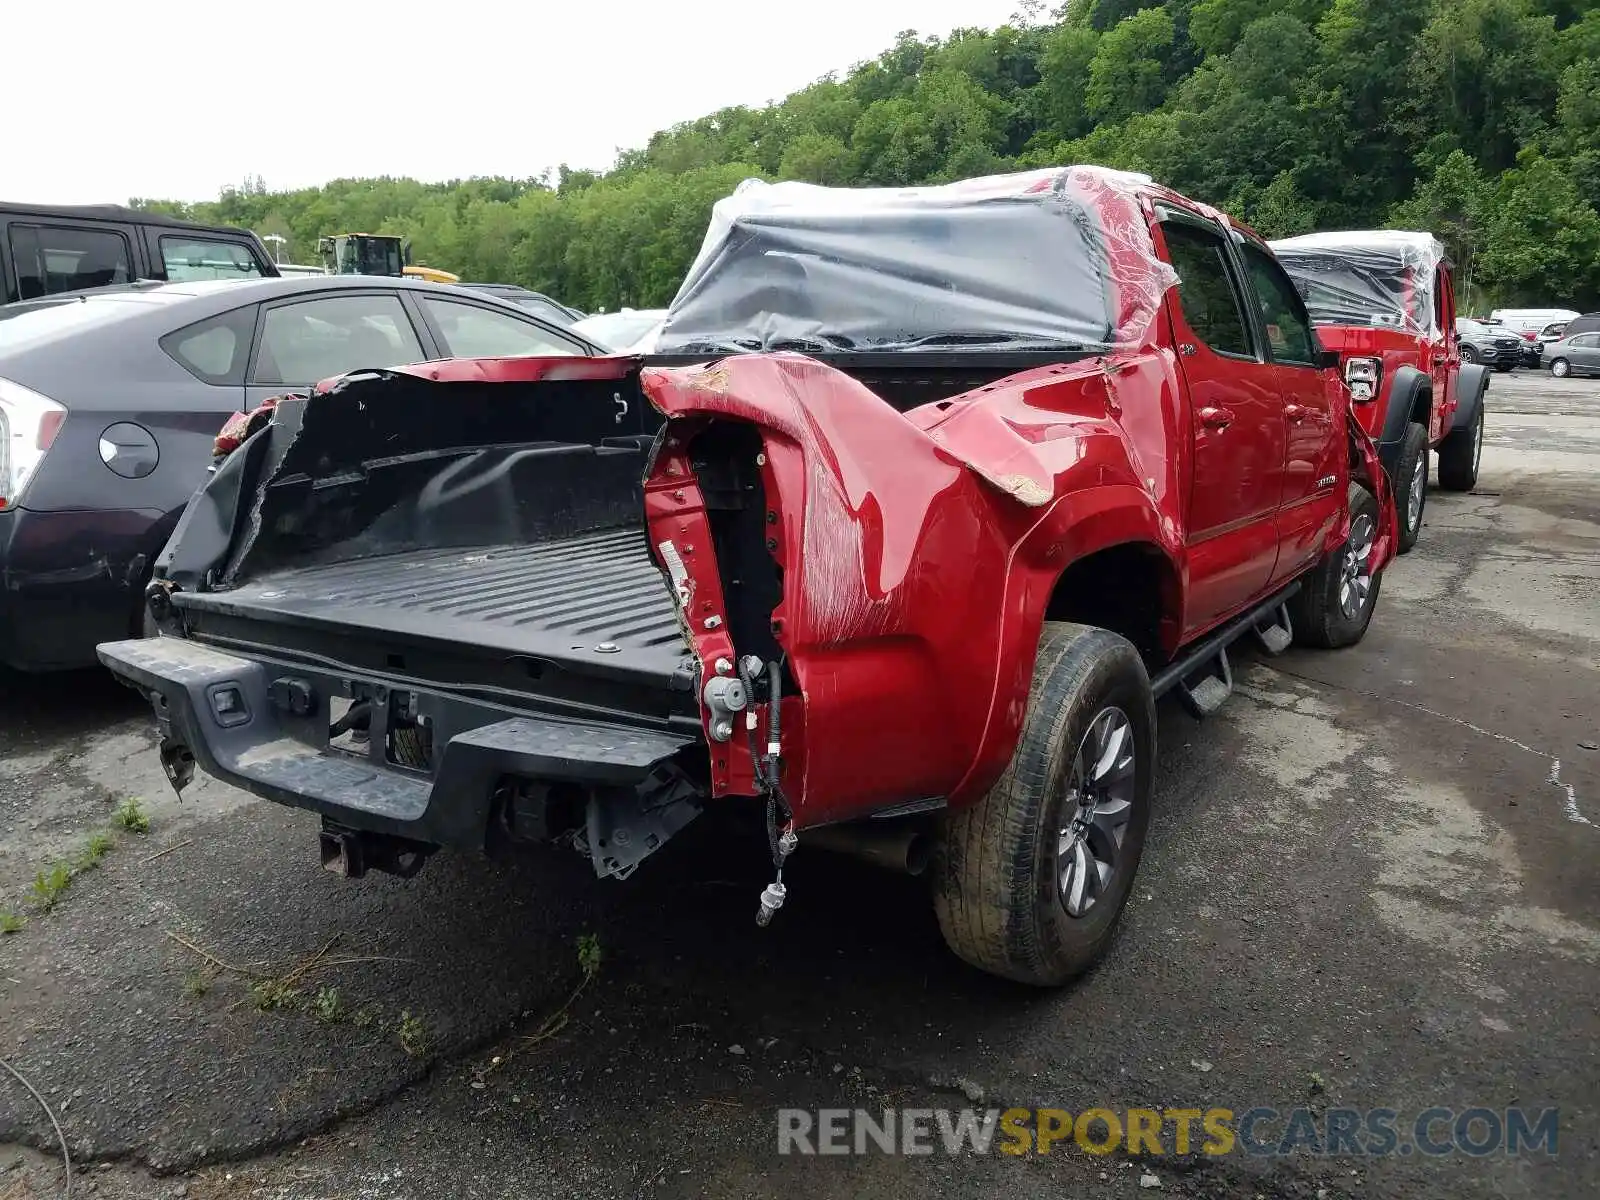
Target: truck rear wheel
{"points": [[1334, 604], [1029, 881], [1411, 485], [1459, 455]]}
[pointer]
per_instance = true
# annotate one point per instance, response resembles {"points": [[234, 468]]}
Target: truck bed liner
{"points": [[552, 599]]}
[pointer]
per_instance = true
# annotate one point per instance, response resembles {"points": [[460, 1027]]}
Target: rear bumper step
{"points": [[433, 768]]}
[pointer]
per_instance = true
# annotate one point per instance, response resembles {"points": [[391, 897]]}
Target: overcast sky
{"points": [[176, 99]]}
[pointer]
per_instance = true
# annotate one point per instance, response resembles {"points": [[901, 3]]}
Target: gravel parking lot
{"points": [[1372, 883]]}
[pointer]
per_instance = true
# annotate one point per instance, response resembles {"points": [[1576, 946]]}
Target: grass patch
{"points": [[273, 994], [49, 886], [11, 922], [196, 984], [368, 1016], [589, 955], [413, 1035], [96, 848], [329, 1006], [131, 817]]}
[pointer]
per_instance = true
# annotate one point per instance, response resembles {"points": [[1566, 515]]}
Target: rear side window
{"points": [[304, 343], [1206, 293], [473, 332], [214, 350], [50, 259], [185, 258], [1288, 328]]}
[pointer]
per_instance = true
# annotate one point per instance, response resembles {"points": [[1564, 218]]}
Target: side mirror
{"points": [[405, 251]]}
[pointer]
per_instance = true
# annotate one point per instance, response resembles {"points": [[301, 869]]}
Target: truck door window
{"points": [[1289, 336], [304, 343], [50, 259], [473, 332], [187, 258], [1206, 293]]}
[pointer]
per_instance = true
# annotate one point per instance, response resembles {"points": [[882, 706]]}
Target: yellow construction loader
{"points": [[376, 254]]}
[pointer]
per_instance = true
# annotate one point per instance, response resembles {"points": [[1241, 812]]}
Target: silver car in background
{"points": [[629, 331], [1578, 354]]}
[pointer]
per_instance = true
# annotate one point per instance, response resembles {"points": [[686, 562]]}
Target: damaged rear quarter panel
{"points": [[919, 551]]}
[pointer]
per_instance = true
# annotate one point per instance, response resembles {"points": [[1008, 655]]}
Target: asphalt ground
{"points": [[1373, 882]]}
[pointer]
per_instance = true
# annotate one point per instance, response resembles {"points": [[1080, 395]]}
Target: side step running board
{"points": [[1204, 696], [1208, 658], [1275, 634]]}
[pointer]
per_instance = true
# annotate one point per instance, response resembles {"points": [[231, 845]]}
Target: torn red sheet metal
{"points": [[917, 560]]}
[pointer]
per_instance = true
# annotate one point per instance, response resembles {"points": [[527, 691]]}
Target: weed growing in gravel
{"points": [[11, 922], [413, 1035], [329, 1006], [196, 984], [589, 955], [367, 1016], [97, 847], [131, 817], [272, 994], [48, 886]]}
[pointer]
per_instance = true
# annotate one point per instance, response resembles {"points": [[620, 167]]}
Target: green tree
{"points": [[816, 158], [1128, 73], [1543, 237], [1058, 103], [1484, 76]]}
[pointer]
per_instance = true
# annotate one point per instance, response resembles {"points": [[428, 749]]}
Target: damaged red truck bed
{"points": [[930, 495]]}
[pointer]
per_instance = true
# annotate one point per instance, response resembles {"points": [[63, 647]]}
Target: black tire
{"points": [[1560, 368], [1460, 453], [1316, 611], [1468, 354], [1411, 474], [998, 881]]}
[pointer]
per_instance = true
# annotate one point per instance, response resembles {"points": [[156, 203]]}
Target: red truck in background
{"points": [[1384, 301], [928, 496]]}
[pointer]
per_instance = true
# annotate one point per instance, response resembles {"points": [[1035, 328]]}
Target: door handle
{"points": [[1216, 418], [1294, 412]]}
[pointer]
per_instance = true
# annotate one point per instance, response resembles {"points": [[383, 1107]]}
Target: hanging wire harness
{"points": [[781, 838]]}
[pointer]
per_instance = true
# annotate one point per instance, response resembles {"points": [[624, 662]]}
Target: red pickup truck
{"points": [[1383, 299], [930, 495]]}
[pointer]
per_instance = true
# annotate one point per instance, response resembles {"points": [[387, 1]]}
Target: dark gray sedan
{"points": [[109, 401]]}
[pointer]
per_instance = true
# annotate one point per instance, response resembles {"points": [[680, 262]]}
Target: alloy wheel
{"points": [[1414, 494], [1355, 578], [1100, 794]]}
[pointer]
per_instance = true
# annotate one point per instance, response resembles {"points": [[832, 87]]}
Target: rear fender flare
{"points": [[1080, 524]]}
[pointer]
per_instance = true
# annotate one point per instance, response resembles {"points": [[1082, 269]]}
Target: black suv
{"points": [[67, 249]]}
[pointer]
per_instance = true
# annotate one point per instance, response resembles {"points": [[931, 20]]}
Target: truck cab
{"points": [[1384, 300]]}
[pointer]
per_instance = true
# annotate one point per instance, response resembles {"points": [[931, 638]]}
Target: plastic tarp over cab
{"points": [[1052, 259], [1381, 277]]}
